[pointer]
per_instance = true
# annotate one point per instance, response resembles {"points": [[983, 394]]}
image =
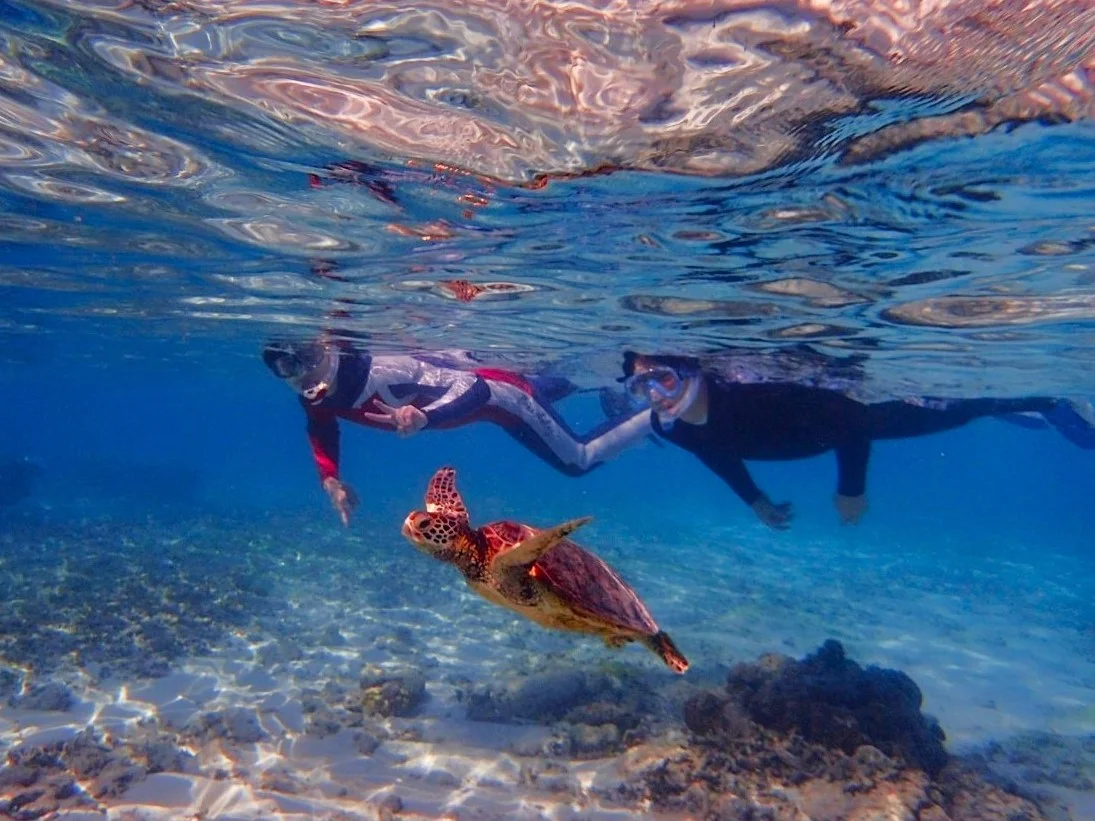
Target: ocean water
{"points": [[187, 630]]}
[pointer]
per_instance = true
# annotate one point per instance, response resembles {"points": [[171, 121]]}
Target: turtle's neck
{"points": [[469, 554]]}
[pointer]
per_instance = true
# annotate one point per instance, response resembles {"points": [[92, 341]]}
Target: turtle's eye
{"points": [[425, 522]]}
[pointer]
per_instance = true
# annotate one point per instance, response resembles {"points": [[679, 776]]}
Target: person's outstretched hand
{"points": [[342, 497], [777, 517], [850, 508], [406, 419]]}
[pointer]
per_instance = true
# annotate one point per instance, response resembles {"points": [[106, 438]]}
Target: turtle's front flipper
{"points": [[532, 548], [443, 497]]}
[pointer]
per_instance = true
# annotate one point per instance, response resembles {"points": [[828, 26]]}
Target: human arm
{"points": [[732, 470], [456, 393], [851, 494], [465, 393], [323, 436]]}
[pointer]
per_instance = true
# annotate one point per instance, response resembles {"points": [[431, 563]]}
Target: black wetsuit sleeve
{"points": [[851, 464], [733, 471]]}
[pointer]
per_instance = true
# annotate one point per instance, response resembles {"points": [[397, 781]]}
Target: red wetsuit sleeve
{"points": [[323, 437]]}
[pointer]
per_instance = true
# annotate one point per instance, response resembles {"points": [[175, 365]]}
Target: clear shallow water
{"points": [[174, 188]]}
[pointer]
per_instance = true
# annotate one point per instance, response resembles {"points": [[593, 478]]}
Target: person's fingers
{"points": [[384, 418]]}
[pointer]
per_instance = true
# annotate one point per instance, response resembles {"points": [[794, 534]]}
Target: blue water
{"points": [[158, 224], [237, 443]]}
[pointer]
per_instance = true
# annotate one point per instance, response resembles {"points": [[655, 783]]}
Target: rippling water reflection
{"points": [[558, 180]]}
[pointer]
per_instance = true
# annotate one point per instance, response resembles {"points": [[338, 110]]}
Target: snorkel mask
{"points": [[660, 381], [309, 369], [669, 392]]}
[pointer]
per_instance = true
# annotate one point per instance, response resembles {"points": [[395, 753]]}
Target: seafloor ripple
{"points": [[98, 587]]}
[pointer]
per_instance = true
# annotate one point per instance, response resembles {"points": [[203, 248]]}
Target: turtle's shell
{"points": [[579, 578]]}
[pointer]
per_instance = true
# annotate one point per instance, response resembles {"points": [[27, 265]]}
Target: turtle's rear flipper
{"points": [[532, 548], [667, 651]]}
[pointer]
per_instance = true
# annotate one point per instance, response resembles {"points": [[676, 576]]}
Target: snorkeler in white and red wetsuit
{"points": [[409, 393]]}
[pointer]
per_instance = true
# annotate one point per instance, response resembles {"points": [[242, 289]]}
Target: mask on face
{"points": [[309, 369], [667, 391]]}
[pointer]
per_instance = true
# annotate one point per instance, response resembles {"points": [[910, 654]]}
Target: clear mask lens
{"points": [[299, 363], [659, 382]]}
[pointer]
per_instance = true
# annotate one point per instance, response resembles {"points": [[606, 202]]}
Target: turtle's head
{"points": [[433, 533]]}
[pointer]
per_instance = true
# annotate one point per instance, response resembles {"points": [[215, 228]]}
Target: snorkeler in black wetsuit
{"points": [[725, 423]]}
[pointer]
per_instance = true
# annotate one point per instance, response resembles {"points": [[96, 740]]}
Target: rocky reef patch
{"points": [[817, 739]]}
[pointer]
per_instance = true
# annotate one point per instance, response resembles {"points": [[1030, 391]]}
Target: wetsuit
{"points": [[452, 395], [774, 421], [778, 421], [901, 419]]}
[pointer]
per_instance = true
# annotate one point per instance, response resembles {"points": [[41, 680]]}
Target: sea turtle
{"points": [[539, 574]]}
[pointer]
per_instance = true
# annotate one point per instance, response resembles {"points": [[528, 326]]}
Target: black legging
{"points": [[898, 420]]}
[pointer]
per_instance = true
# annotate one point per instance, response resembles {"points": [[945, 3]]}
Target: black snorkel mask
{"points": [[308, 368]]}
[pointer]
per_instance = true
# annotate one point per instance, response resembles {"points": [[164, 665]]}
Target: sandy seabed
{"points": [[208, 668]]}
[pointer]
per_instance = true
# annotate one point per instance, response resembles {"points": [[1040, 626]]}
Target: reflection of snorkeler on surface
{"points": [[474, 190], [461, 290], [382, 183], [409, 393], [725, 423]]}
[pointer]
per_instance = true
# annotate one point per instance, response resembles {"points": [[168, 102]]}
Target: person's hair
{"points": [[683, 365], [274, 351]]}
